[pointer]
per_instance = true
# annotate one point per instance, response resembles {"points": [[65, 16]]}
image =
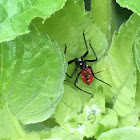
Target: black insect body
{"points": [[86, 72]]}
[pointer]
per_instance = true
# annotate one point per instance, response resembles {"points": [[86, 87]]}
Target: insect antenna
{"points": [[104, 69]]}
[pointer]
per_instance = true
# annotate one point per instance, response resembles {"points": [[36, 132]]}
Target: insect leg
{"points": [[70, 76], [102, 81], [86, 53], [65, 49], [69, 62], [94, 54]]}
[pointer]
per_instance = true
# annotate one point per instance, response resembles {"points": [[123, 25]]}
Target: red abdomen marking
{"points": [[87, 76]]}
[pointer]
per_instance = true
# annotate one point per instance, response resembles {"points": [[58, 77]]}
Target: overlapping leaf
{"points": [[15, 16], [31, 74], [129, 133], [132, 5]]}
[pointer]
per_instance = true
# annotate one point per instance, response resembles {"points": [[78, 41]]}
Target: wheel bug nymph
{"points": [[86, 71]]}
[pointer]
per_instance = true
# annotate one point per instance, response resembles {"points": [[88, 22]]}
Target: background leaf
{"points": [[11, 129], [15, 16], [122, 58], [129, 133], [132, 5], [123, 74], [31, 73]]}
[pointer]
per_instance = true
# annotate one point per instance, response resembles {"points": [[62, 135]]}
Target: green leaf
{"points": [[9, 125], [15, 16], [132, 5], [32, 73], [10, 128], [122, 74], [124, 133], [125, 71]]}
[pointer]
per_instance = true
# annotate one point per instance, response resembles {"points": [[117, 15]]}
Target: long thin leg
{"points": [[65, 49], [70, 76], [102, 81], [98, 78], [86, 47], [94, 54], [76, 81], [71, 61]]}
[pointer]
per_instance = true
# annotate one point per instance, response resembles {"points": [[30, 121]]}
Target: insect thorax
{"points": [[80, 63]]}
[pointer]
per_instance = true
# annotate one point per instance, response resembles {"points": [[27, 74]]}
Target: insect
{"points": [[86, 71]]}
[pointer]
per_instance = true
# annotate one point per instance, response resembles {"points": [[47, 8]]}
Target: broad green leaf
{"points": [[9, 125], [132, 5], [125, 74], [15, 16], [122, 74], [124, 133], [31, 74], [10, 128]]}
